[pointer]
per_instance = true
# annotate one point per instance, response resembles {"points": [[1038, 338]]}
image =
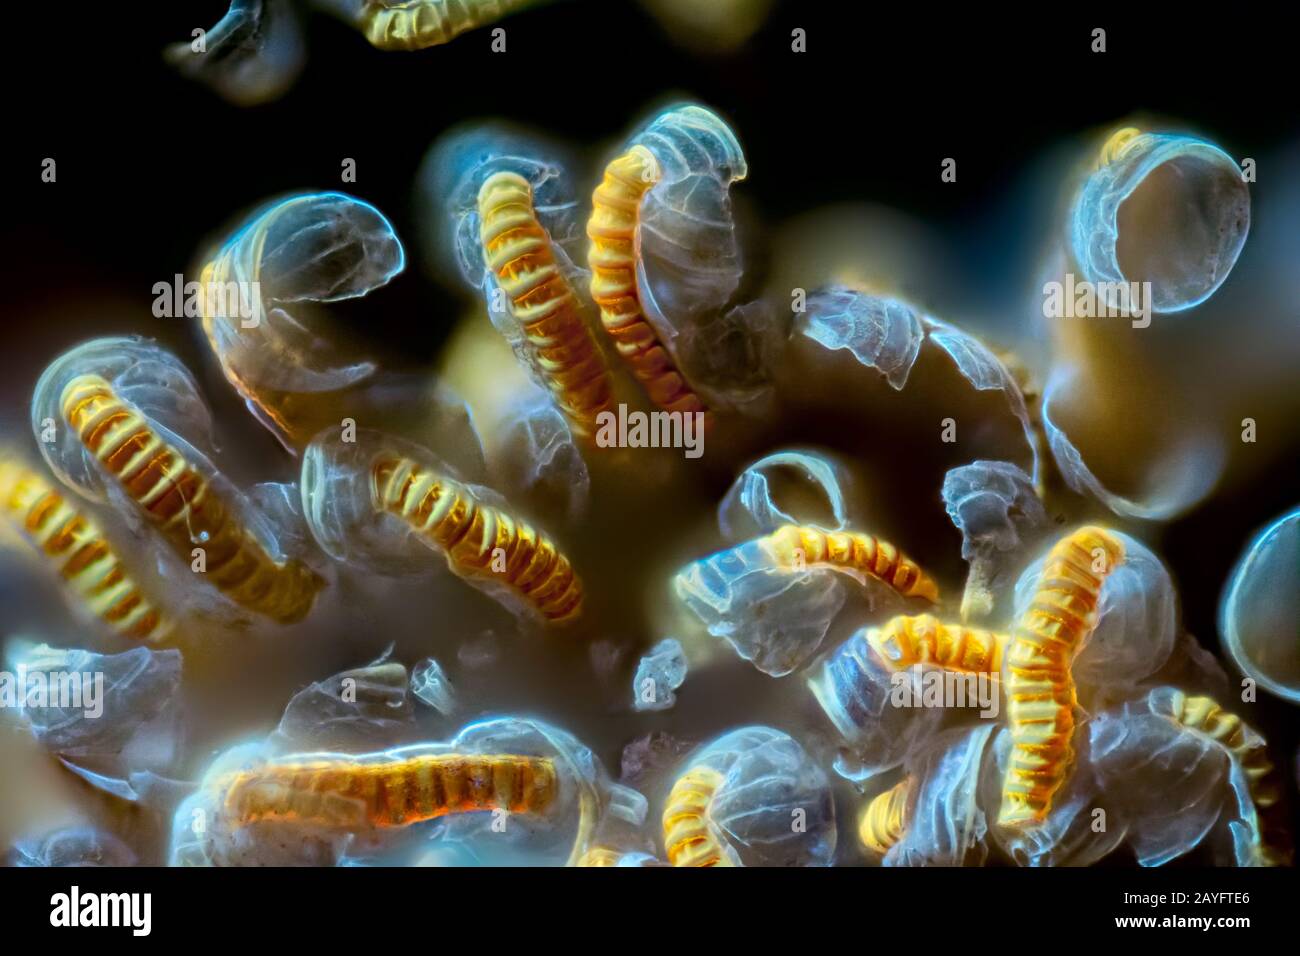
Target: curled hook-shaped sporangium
{"points": [[183, 505]]}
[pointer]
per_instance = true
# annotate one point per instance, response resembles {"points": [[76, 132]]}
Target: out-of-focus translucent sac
{"points": [[1136, 626], [752, 797], [945, 824], [658, 675], [106, 717], [383, 504], [1162, 208], [418, 24], [537, 460], [1259, 617], [1181, 770], [713, 27], [994, 506], [262, 292], [1173, 478], [429, 683], [72, 846], [857, 690], [886, 335], [253, 55], [1080, 828], [778, 489]]}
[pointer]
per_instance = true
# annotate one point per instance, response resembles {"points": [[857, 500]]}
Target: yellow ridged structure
{"points": [[600, 856], [84, 559], [445, 514], [690, 839], [794, 547], [611, 257], [518, 251], [904, 642], [181, 503], [345, 793], [419, 24], [1116, 145], [1040, 688], [884, 821], [1205, 716]]}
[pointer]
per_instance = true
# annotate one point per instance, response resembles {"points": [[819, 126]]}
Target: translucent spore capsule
{"points": [[663, 254], [858, 689], [787, 487], [1183, 770], [419, 24], [773, 598], [72, 846], [994, 506], [1162, 208], [106, 717], [537, 460], [66, 534], [384, 504], [262, 293], [1259, 618], [253, 55], [116, 402], [937, 819], [658, 675], [886, 335], [752, 797], [1041, 695], [1171, 479], [1135, 628]]}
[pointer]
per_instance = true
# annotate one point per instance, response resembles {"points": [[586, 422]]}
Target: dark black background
{"points": [[149, 164]]}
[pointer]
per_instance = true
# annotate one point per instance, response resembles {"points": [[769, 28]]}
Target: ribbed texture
{"points": [[80, 553], [885, 820], [612, 259], [418, 24], [1040, 687], [599, 856], [347, 793], [1205, 716], [445, 514], [793, 546], [904, 642], [518, 251], [181, 503], [689, 839]]}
